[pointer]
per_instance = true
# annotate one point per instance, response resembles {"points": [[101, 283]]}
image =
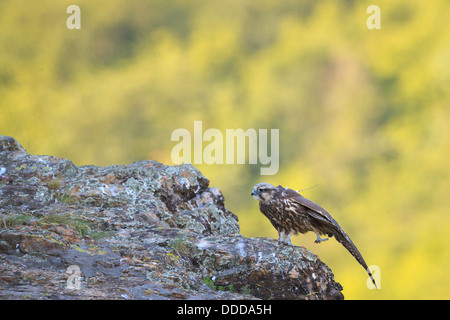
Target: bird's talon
{"points": [[319, 239]]}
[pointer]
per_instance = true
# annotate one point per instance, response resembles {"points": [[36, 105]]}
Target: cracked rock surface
{"points": [[139, 231]]}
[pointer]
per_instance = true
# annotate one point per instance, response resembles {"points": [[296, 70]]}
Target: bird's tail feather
{"points": [[345, 240]]}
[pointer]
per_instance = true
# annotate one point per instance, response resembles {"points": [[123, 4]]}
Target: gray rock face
{"points": [[138, 231]]}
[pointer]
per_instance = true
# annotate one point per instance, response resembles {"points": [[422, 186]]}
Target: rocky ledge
{"points": [[138, 231]]}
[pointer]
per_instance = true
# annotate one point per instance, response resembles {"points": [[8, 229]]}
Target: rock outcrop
{"points": [[138, 231]]}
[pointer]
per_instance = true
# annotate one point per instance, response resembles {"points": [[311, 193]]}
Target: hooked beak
{"points": [[254, 193]]}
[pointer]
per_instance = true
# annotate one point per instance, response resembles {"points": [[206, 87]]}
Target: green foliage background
{"points": [[363, 113]]}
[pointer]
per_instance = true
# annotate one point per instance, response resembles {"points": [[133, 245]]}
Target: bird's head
{"points": [[263, 191]]}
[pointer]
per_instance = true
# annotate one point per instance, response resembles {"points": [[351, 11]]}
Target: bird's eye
{"points": [[260, 190]]}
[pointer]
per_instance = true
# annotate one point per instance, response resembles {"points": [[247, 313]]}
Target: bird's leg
{"points": [[281, 236], [284, 237], [319, 239], [288, 239]]}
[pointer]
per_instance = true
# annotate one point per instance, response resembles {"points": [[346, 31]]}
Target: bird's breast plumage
{"points": [[285, 215]]}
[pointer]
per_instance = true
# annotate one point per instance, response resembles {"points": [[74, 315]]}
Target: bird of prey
{"points": [[291, 213]]}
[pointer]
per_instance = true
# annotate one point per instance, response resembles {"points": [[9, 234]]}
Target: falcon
{"points": [[291, 213]]}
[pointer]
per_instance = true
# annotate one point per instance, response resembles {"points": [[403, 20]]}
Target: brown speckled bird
{"points": [[291, 213]]}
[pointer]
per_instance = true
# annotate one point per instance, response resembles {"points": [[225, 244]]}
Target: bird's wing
{"points": [[319, 213], [316, 212]]}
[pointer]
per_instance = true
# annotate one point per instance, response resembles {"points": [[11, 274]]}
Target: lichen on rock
{"points": [[139, 231]]}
